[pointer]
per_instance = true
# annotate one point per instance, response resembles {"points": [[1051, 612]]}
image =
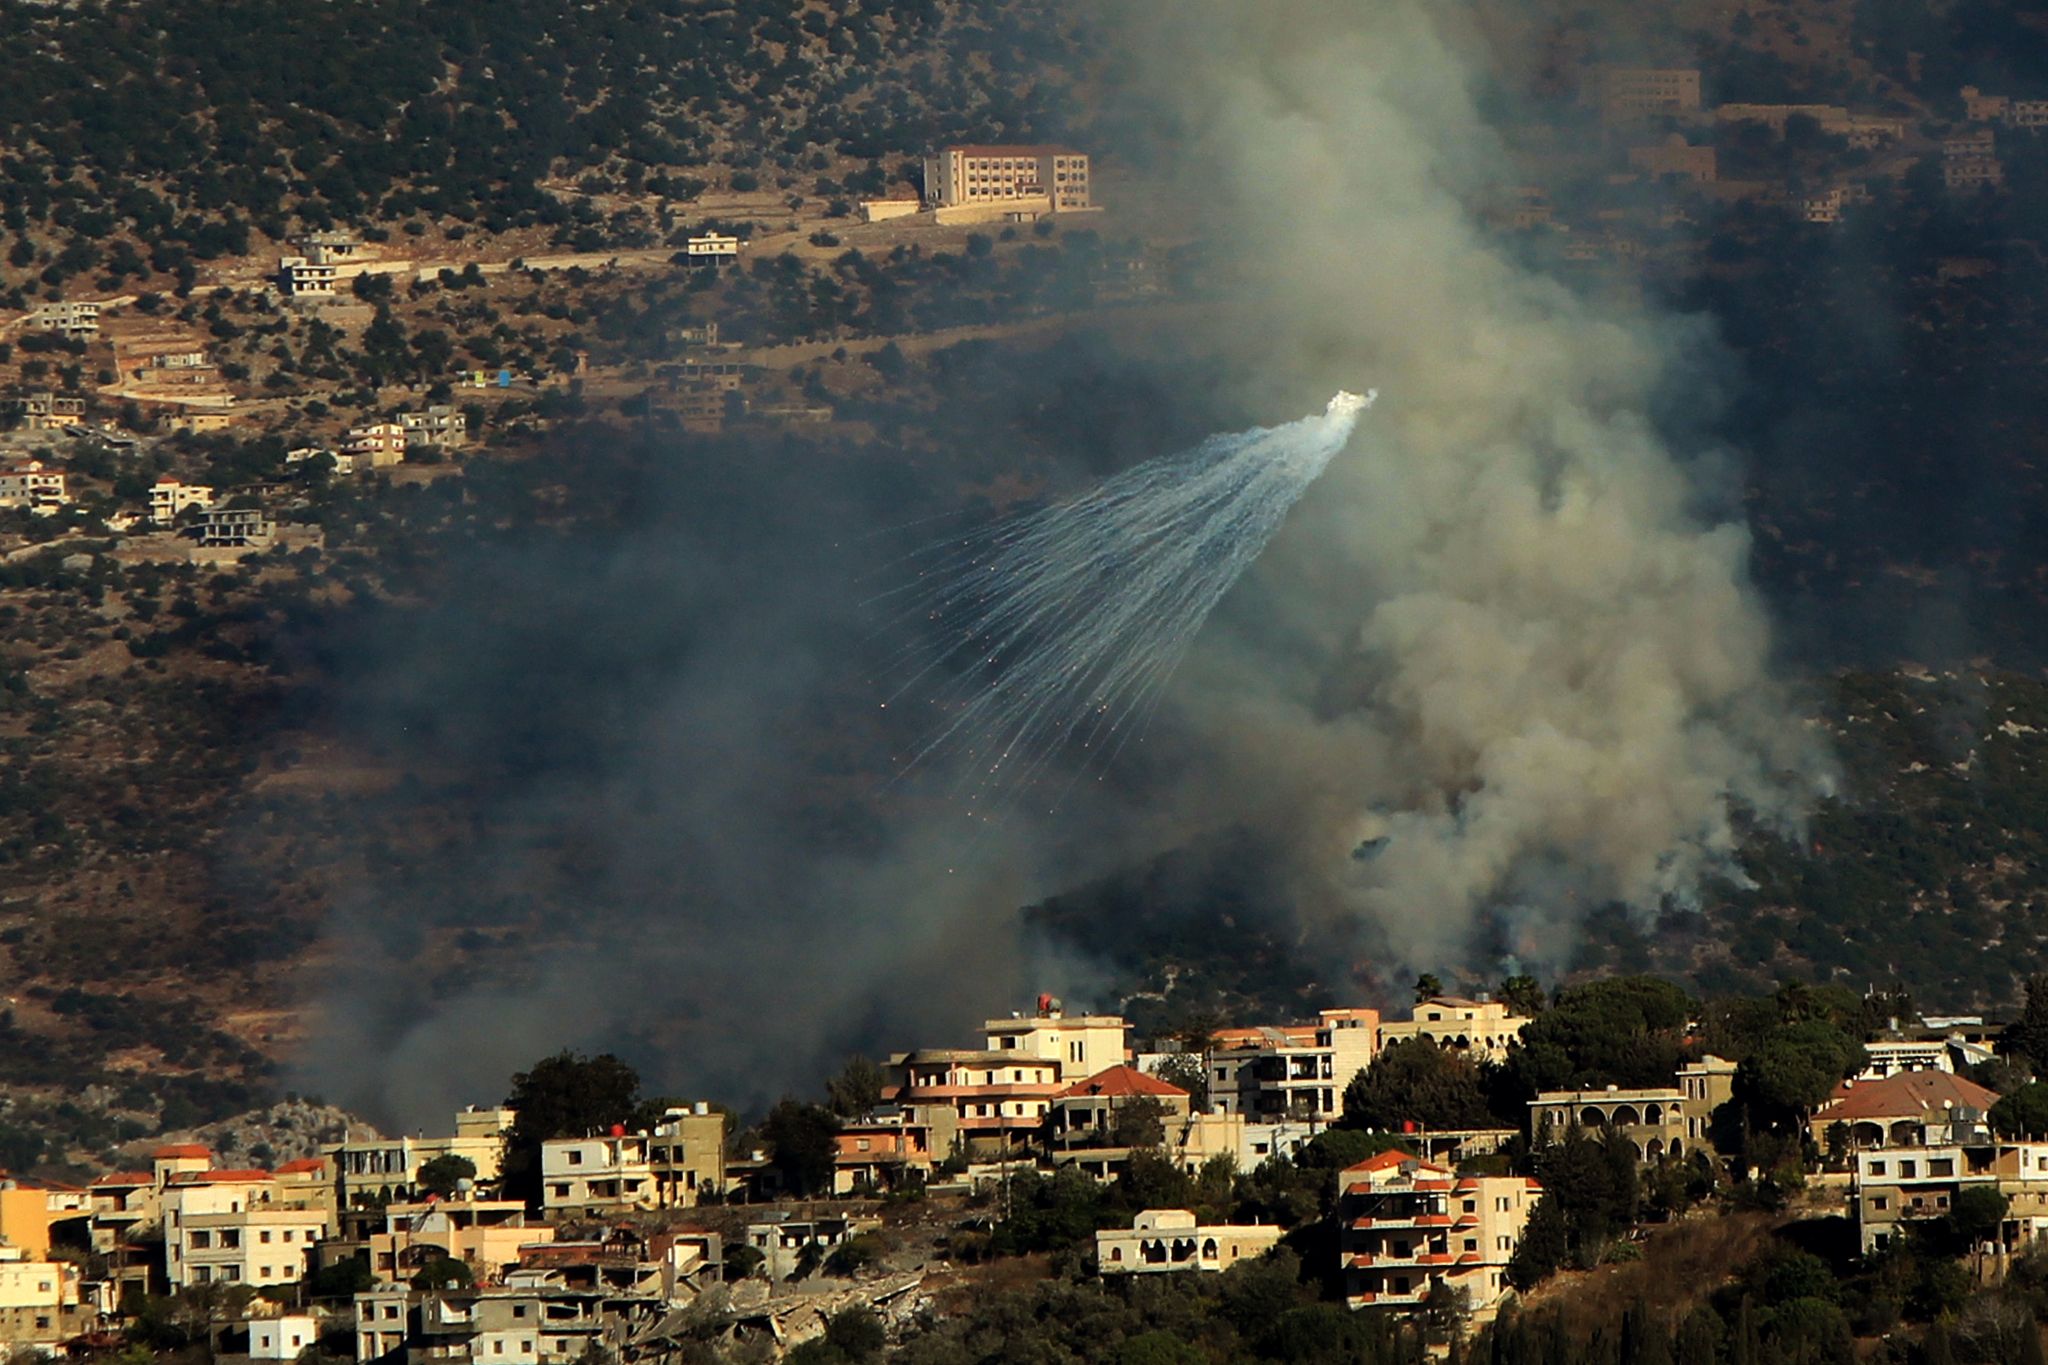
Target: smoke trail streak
{"points": [[1062, 626]]}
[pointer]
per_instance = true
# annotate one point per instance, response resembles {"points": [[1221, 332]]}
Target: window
{"points": [[518, 1310], [1877, 1168], [264, 1237], [1909, 1169], [1880, 1203], [1945, 1165], [201, 1241], [1471, 1206], [575, 1159]]}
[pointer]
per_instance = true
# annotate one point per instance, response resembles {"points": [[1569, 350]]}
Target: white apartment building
{"points": [[74, 318], [303, 278], [375, 444], [1296, 1073], [282, 1338], [673, 1167], [168, 497]]}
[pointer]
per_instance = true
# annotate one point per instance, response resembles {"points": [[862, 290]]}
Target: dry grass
{"points": [[1682, 1264]]}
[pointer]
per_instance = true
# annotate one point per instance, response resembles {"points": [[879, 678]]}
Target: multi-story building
{"points": [[1166, 1240], [1624, 93], [441, 425], [258, 1244], [1407, 1226], [1655, 1121], [30, 485], [786, 1243], [75, 318], [1079, 1044], [672, 1167], [168, 497], [40, 1300], [1084, 1114], [375, 444], [48, 411], [1676, 158], [1296, 1073], [236, 527], [1890, 1055], [302, 278], [1201, 1138], [975, 1101], [884, 1150], [1708, 1084], [488, 1235], [998, 175], [1898, 1110], [1897, 1185], [377, 1171], [497, 1326], [1481, 1029]]}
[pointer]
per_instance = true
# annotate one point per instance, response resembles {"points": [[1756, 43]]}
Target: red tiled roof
{"points": [[180, 1150], [1393, 1157], [125, 1178], [1903, 1094], [304, 1163], [1120, 1082], [246, 1177]]}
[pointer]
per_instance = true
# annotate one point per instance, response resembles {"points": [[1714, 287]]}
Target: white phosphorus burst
{"points": [[1060, 627]]}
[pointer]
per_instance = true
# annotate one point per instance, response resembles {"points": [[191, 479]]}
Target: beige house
{"points": [[485, 1234], [40, 1301], [441, 425], [973, 1100], [375, 445], [1166, 1240], [1708, 1084], [1482, 1029], [1408, 1226], [1079, 1045], [168, 497], [1655, 1121], [380, 1170], [1900, 1109], [301, 277], [30, 485]]}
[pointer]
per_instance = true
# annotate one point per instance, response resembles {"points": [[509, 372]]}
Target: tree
{"points": [[1522, 995], [2023, 1113], [1794, 1070], [1427, 985], [1190, 1072], [565, 1095], [443, 1272], [441, 1175], [856, 1090], [1414, 1080], [803, 1139], [1543, 1247], [1139, 1121], [2027, 1036]]}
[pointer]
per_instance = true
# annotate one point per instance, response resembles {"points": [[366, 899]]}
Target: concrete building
{"points": [[75, 318], [1894, 1186], [236, 528], [1888, 1056], [1085, 1113], [974, 1101], [1407, 1226], [232, 1227], [282, 1338], [441, 425], [672, 1167], [30, 485], [168, 497], [1979, 107], [1167, 1240], [1203, 1137], [786, 1244], [302, 278], [1625, 93], [1078, 1045], [198, 421], [1969, 173], [1003, 175], [711, 248], [1708, 1084], [488, 1235], [381, 1170], [1675, 158], [1655, 1121], [883, 1151], [1482, 1029], [1899, 1109], [375, 445], [1295, 1073], [47, 411], [40, 1299]]}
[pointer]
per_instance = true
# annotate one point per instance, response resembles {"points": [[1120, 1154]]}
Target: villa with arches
{"points": [[1654, 1120]]}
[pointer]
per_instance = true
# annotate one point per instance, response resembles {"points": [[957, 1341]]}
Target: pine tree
{"points": [[1744, 1351]]}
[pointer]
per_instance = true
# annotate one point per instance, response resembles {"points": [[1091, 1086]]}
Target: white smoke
{"points": [[1553, 675]]}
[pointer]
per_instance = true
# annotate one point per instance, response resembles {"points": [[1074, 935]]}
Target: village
{"points": [[409, 1248]]}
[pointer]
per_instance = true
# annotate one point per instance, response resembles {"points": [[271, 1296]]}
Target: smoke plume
{"points": [[1508, 663]]}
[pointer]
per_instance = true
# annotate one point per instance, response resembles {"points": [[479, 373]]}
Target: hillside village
{"points": [[629, 1240]]}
